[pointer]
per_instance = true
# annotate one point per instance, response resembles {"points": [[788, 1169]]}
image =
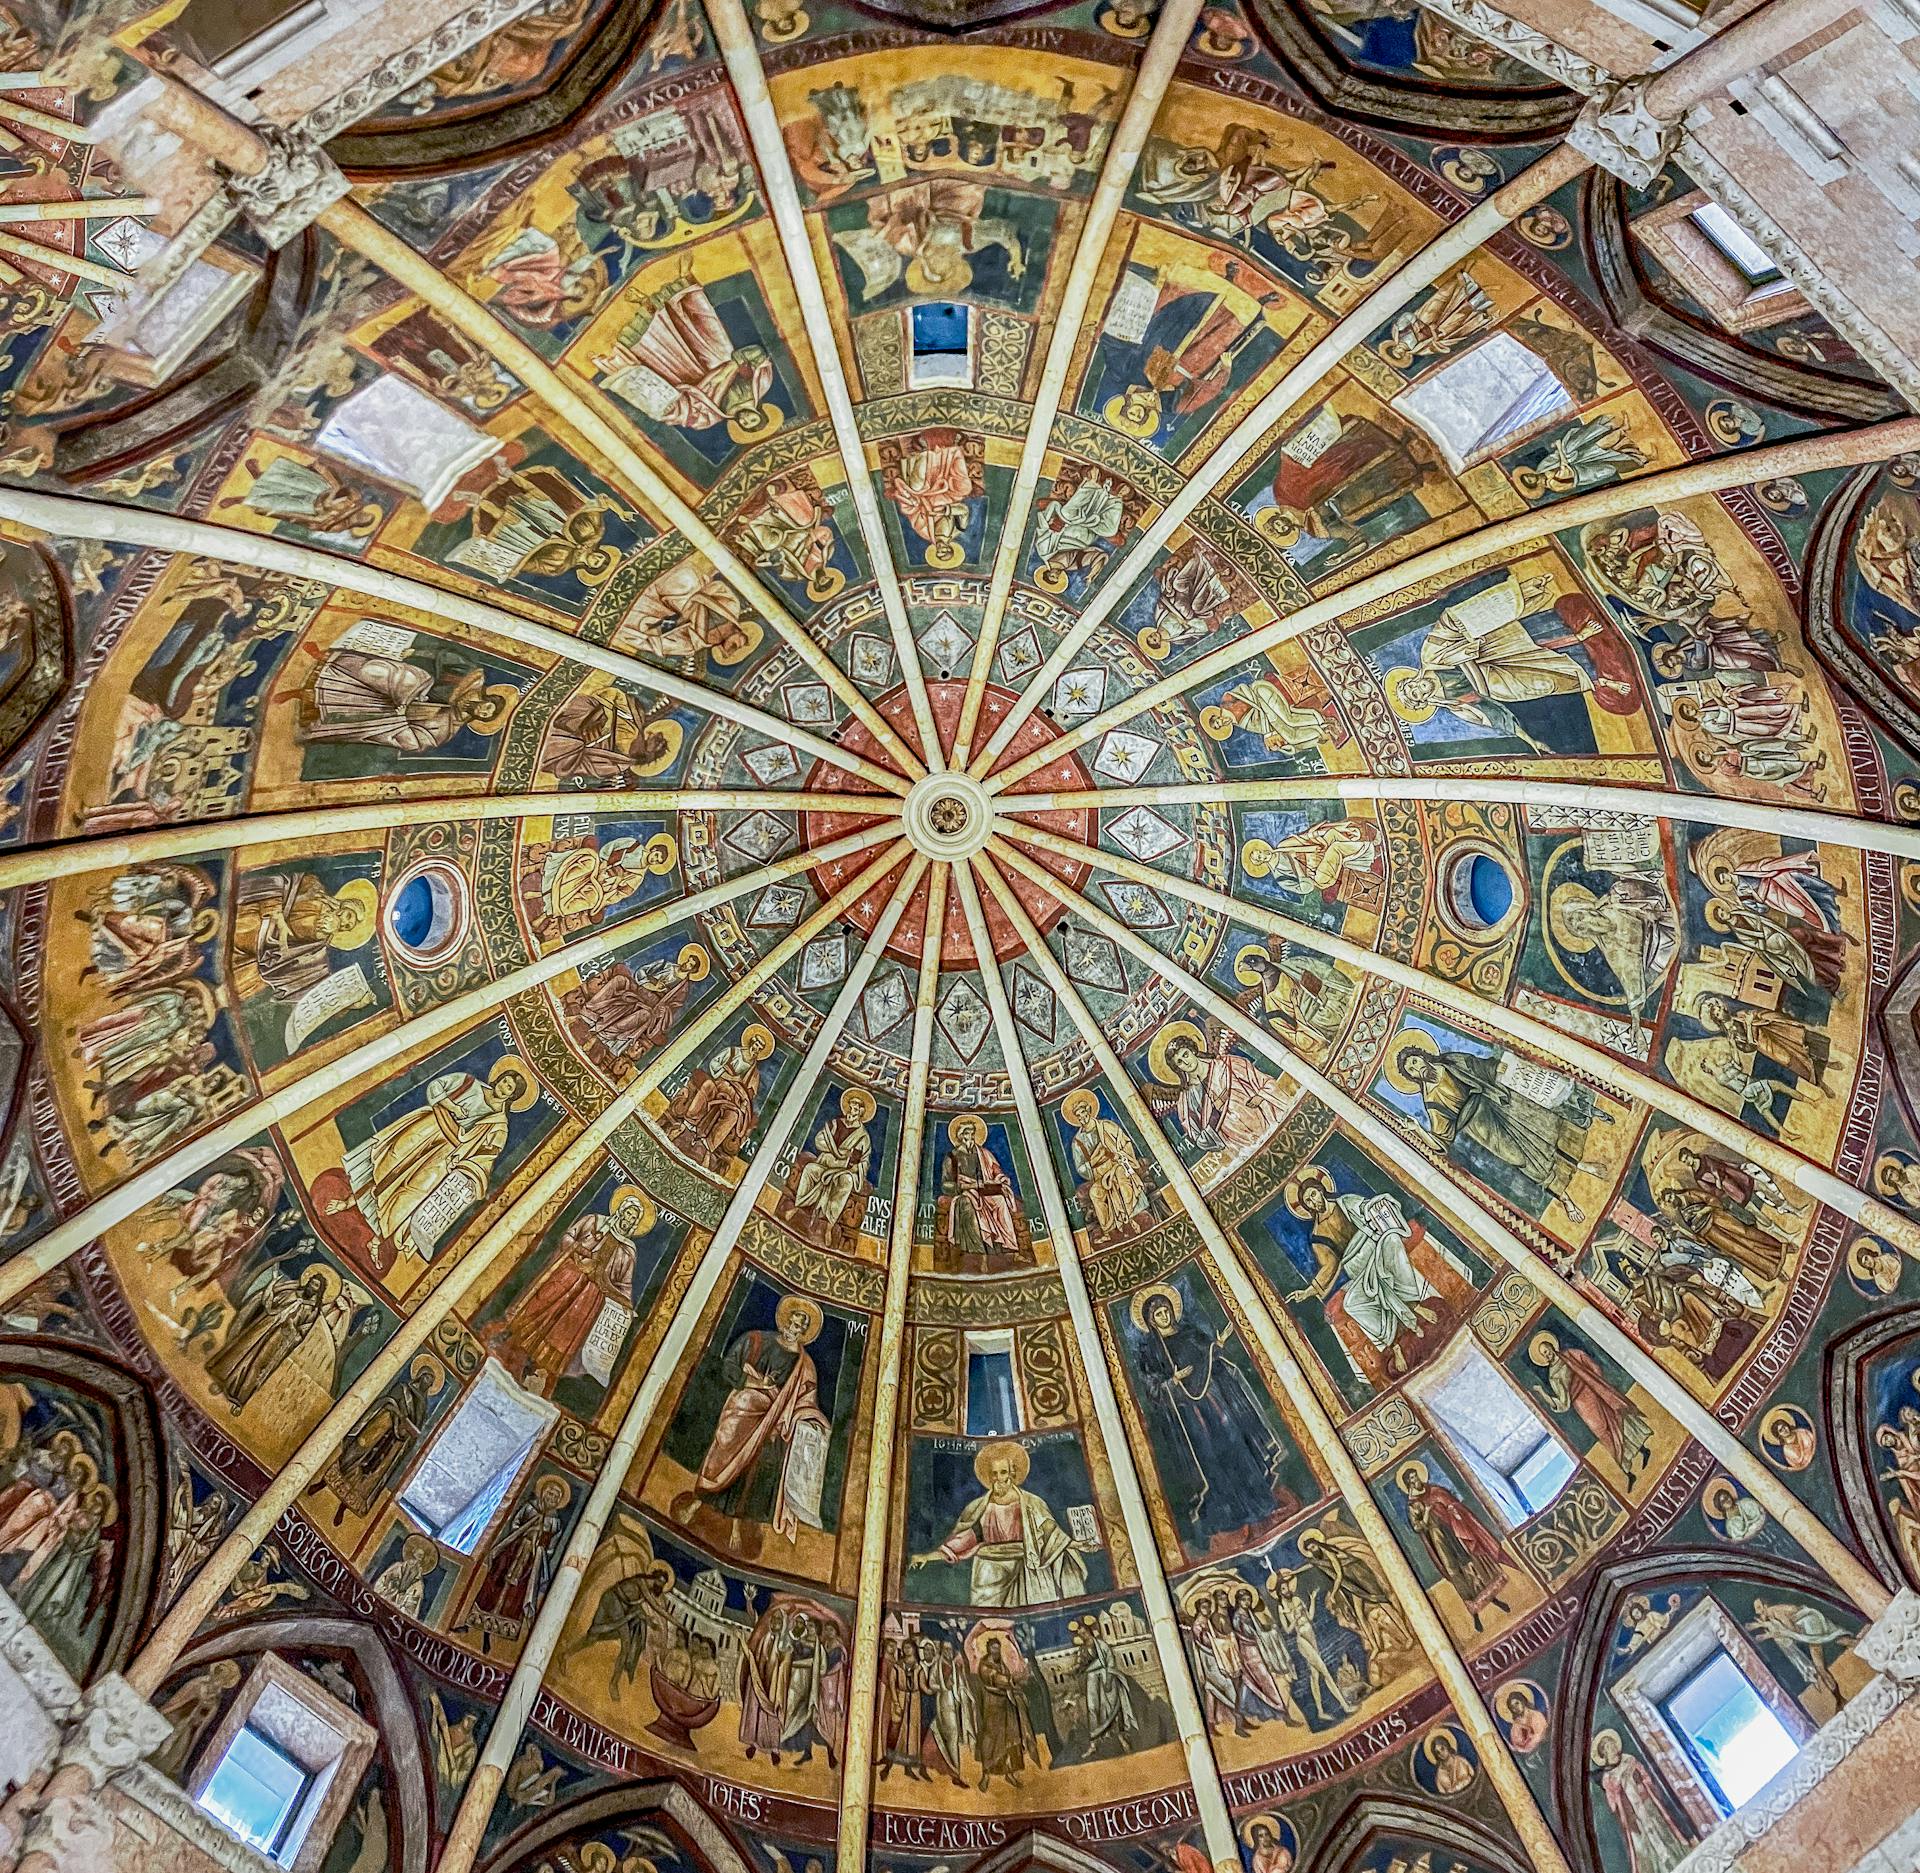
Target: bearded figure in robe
{"points": [[1018, 1553], [543, 1333], [685, 616], [979, 1218], [623, 1012], [677, 363], [931, 484], [773, 1390], [443, 1151]]}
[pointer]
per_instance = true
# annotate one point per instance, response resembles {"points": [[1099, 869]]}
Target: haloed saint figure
{"points": [[765, 1458]]}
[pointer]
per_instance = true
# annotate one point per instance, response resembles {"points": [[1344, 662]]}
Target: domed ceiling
{"points": [[936, 1023]]}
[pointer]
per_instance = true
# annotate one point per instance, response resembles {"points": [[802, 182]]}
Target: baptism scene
{"points": [[946, 936]]}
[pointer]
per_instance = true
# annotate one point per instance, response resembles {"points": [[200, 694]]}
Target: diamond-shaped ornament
{"points": [[824, 961], [1124, 756], [1136, 905], [887, 1002], [759, 836], [778, 907], [809, 704], [1146, 834], [869, 659], [772, 766], [946, 641], [1033, 1004], [1079, 694], [126, 243], [964, 1018], [1019, 655], [1093, 960]]}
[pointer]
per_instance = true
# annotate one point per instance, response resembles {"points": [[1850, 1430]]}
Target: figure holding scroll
{"points": [[548, 1332], [1520, 1127], [759, 1465], [418, 1173]]}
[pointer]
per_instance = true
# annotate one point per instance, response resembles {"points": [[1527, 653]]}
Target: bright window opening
{"points": [[942, 335], [482, 1448], [1752, 261], [1734, 1738], [255, 1790], [1514, 1457], [993, 1406]]}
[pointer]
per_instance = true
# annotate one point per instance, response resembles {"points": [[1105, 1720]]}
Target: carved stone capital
{"points": [[115, 1729], [1891, 1645], [299, 183], [1619, 133]]}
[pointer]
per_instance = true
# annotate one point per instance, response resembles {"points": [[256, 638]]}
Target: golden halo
{"points": [[512, 1063], [1433, 1736], [966, 1122], [632, 1193], [552, 1492], [1156, 1291], [1134, 412], [1162, 1043], [1414, 1472], [1217, 724], [1543, 1339], [1395, 683], [989, 1454], [1560, 900], [359, 901], [1421, 1042], [755, 425], [945, 553], [1155, 643], [660, 854], [1241, 973], [433, 1377], [500, 699], [776, 32], [1316, 1176], [1050, 578], [424, 1554], [756, 1041], [951, 283], [798, 1307], [330, 1283], [1256, 858], [672, 735], [693, 960], [1080, 1107], [856, 1103], [1887, 1170], [1110, 22], [1279, 1827], [1278, 525]]}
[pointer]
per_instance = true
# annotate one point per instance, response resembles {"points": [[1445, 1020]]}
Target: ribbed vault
{"points": [[959, 801]]}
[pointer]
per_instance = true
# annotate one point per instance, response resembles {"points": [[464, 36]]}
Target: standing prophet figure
{"points": [[773, 1399]]}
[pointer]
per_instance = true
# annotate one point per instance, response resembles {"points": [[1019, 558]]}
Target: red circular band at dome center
{"points": [[956, 947]]}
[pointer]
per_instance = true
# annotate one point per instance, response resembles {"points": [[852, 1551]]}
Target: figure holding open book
{"points": [[765, 1460], [413, 1180]]}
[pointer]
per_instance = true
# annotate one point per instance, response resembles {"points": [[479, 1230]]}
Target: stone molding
{"points": [[405, 69], [298, 184], [1617, 131], [1891, 1645], [1524, 42], [1900, 372], [115, 1728]]}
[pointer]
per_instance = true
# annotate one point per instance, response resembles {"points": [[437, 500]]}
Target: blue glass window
{"points": [[256, 1790]]}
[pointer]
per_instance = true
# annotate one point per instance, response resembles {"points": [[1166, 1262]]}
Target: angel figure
{"points": [[1219, 1098]]}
